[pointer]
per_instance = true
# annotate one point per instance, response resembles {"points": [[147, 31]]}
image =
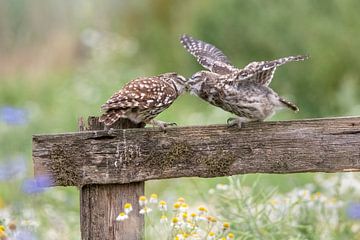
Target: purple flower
{"points": [[353, 211], [25, 235], [13, 168], [36, 185], [13, 116]]}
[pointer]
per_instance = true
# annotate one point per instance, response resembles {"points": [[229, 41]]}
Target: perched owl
{"points": [[142, 99], [243, 92]]}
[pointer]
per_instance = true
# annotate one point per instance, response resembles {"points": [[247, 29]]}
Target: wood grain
{"points": [[132, 155], [100, 204]]}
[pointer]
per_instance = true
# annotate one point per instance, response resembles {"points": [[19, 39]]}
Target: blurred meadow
{"points": [[60, 60]]}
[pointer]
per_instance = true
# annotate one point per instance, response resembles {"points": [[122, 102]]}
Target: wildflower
{"points": [[184, 215], [222, 187], [122, 217], [185, 235], [226, 226], [177, 205], [304, 194], [14, 167], [36, 185], [230, 236], [153, 198], [353, 211], [13, 116], [184, 207], [181, 200], [193, 215], [163, 219], [2, 228], [174, 221], [142, 201], [202, 210], [211, 219], [128, 208], [211, 236], [162, 206], [145, 210]]}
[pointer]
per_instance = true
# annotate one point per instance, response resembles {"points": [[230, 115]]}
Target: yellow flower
{"points": [[122, 217], [230, 236], [128, 208], [2, 228], [185, 215], [226, 226], [181, 200], [185, 235], [202, 210], [193, 215], [184, 207], [162, 206], [211, 219], [211, 236], [163, 219], [177, 205], [174, 220], [153, 198], [142, 201]]}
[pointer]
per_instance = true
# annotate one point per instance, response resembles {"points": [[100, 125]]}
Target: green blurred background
{"points": [[60, 60]]}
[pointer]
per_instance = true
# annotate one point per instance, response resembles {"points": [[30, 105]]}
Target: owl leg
{"points": [[162, 125], [109, 129], [238, 121]]}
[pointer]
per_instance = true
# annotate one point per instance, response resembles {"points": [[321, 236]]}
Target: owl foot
{"points": [[238, 121], [162, 125], [234, 122], [109, 130]]}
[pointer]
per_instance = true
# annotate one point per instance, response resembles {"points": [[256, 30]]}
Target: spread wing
{"points": [[207, 55], [263, 72]]}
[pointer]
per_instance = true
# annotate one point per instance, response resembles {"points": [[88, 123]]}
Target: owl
{"points": [[244, 92], [142, 99]]}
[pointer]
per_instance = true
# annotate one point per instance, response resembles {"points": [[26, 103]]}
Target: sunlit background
{"points": [[60, 60]]}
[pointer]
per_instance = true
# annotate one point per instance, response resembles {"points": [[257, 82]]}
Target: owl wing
{"points": [[207, 55], [263, 72], [142, 93]]}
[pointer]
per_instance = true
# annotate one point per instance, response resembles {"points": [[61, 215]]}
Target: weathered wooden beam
{"points": [[131, 155], [101, 203]]}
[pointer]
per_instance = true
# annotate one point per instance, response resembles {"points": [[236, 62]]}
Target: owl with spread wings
{"points": [[244, 92]]}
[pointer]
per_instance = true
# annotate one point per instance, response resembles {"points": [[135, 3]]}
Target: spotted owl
{"points": [[142, 99], [243, 92]]}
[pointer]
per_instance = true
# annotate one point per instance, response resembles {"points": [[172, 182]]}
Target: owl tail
{"points": [[289, 105], [110, 117]]}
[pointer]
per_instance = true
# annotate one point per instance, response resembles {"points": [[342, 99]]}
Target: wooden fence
{"points": [[110, 168]]}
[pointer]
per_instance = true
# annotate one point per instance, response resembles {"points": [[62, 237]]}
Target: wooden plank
{"points": [[101, 203], [131, 155]]}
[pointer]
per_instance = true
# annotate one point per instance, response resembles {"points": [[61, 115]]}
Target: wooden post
{"points": [[101, 203]]}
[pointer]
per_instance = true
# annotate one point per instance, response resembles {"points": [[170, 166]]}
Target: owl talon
{"points": [[232, 122], [162, 125]]}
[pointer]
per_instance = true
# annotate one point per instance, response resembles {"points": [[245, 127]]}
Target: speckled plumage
{"points": [[142, 99], [243, 92]]}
